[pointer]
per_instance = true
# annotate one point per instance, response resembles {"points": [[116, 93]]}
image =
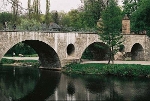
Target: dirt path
{"points": [[121, 62], [86, 61], [22, 58]]}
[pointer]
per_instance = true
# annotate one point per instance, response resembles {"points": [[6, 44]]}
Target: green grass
{"points": [[24, 62], [109, 69]]}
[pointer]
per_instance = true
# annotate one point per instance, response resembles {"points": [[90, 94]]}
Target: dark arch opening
{"points": [[21, 48], [96, 51], [121, 48], [70, 49], [137, 52], [47, 55]]}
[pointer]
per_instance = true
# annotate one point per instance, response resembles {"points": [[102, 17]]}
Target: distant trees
{"points": [[21, 48], [138, 11], [92, 12], [15, 10], [47, 13], [29, 9]]}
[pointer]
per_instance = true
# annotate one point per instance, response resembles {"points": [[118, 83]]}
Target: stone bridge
{"points": [[57, 49]]}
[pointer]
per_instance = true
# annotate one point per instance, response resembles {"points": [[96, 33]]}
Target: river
{"points": [[32, 84]]}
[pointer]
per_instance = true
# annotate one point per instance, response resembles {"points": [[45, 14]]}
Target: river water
{"points": [[32, 84]]}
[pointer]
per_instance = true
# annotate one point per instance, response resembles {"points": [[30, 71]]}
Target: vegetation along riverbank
{"points": [[26, 63], [131, 70]]}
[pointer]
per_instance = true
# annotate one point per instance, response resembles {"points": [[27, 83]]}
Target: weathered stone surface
{"points": [[47, 43], [40, 42]]}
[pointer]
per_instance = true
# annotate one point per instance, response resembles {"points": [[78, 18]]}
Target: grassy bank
{"points": [[109, 69], [19, 62]]}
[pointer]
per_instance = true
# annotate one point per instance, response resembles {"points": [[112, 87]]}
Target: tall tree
{"points": [[55, 17], [140, 19], [29, 8], [74, 18], [130, 6], [92, 9], [109, 28], [15, 5], [36, 9], [47, 13]]}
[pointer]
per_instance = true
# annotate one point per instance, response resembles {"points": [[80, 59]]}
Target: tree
{"points": [[29, 9], [64, 20], [130, 6], [5, 17], [55, 17], [109, 28], [36, 10], [140, 19], [74, 19], [15, 5], [48, 17], [92, 12]]}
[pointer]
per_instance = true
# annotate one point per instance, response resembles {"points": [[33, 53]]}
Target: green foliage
{"points": [[48, 18], [55, 17], [87, 54], [30, 24], [140, 18], [74, 19], [129, 7], [5, 17], [21, 48], [109, 28], [64, 20], [109, 69], [7, 61], [92, 12]]}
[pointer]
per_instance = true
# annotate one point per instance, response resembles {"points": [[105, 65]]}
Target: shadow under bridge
{"points": [[48, 58]]}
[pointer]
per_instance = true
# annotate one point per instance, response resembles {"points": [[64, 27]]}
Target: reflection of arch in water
{"points": [[71, 88], [95, 84], [16, 86], [96, 51], [45, 87], [137, 52]]}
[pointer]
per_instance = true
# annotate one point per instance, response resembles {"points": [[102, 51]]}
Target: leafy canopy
{"points": [[110, 26]]}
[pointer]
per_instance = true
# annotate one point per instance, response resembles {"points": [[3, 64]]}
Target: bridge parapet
{"points": [[55, 47]]}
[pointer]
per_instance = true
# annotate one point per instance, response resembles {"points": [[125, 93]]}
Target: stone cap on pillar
{"points": [[126, 17]]}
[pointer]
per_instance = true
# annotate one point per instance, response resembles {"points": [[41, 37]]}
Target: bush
{"points": [[7, 61], [109, 69]]}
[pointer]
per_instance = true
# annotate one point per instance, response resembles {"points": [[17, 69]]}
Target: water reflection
{"points": [[90, 87], [15, 86], [45, 87], [31, 84]]}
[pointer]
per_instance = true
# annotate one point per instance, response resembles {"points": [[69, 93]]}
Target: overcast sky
{"points": [[59, 5]]}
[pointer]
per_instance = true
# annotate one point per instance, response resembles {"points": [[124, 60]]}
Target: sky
{"points": [[59, 5]]}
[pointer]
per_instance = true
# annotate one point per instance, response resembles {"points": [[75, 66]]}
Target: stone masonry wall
{"points": [[60, 41]]}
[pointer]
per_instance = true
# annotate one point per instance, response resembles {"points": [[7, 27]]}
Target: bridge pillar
{"points": [[126, 25], [69, 61]]}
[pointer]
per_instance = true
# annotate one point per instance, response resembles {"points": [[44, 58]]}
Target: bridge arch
{"points": [[47, 55], [137, 52], [95, 51]]}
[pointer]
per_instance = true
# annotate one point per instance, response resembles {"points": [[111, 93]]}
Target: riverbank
{"points": [[130, 70], [24, 63]]}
